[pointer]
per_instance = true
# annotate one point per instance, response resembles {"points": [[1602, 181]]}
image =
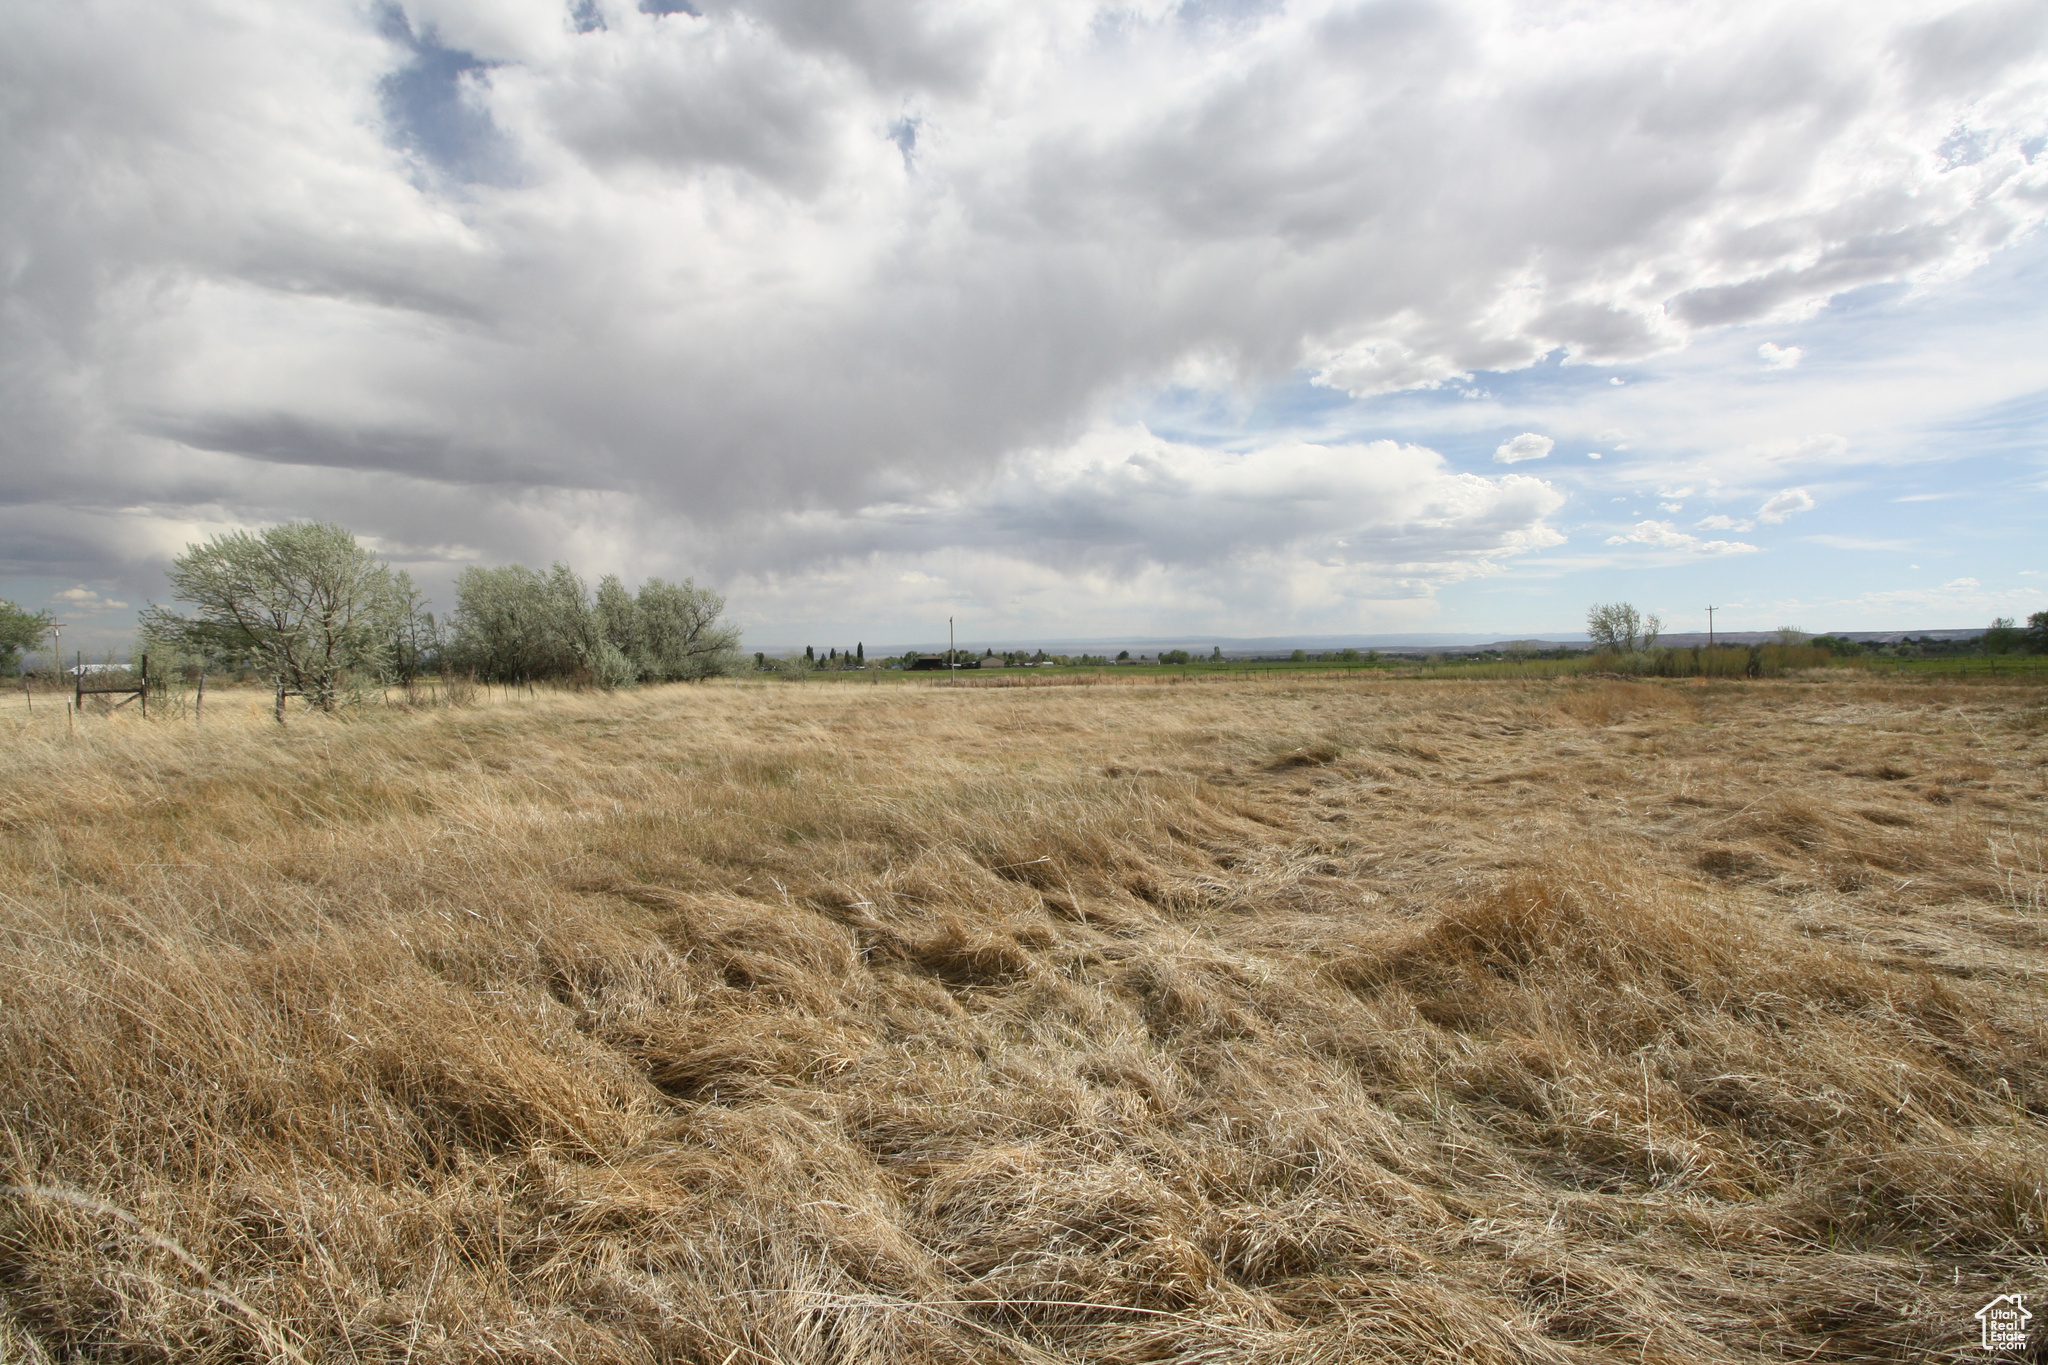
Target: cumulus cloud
{"points": [[1665, 536], [82, 598], [1298, 529], [480, 277], [1777, 357], [1776, 509], [1962, 583], [1527, 446], [1779, 506]]}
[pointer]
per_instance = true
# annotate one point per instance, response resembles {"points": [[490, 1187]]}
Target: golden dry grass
{"points": [[1268, 1021]]}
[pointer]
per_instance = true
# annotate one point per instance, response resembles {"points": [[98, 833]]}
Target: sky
{"points": [[1068, 319]]}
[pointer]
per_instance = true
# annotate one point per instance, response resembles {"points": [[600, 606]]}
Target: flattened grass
{"points": [[1277, 1020]]}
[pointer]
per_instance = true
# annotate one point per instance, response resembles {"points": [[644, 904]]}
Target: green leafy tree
{"points": [[571, 621], [303, 602], [516, 624], [2003, 637], [2037, 633], [617, 615], [20, 632], [1617, 627], [679, 634], [415, 634], [502, 627]]}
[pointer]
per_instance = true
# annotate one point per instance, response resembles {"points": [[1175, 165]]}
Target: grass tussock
{"points": [[1269, 1021]]}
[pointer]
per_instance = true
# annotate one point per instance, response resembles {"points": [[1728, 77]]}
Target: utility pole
{"points": [[952, 662], [57, 649], [1710, 626]]}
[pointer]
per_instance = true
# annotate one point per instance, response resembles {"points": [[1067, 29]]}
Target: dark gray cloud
{"points": [[733, 285], [893, 45], [1964, 52]]}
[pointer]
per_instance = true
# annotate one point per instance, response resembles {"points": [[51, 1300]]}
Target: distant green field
{"points": [[1773, 661], [1989, 666]]}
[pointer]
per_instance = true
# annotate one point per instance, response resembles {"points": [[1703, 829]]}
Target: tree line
{"points": [[515, 624], [1618, 628], [2003, 637], [309, 608]]}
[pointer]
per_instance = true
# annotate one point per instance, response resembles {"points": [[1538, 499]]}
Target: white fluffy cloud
{"points": [[525, 278], [82, 598], [1527, 446], [1284, 534], [1775, 510], [1776, 357], [1665, 536], [1779, 506]]}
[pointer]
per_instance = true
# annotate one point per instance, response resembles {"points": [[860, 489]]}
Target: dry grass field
{"points": [[1249, 1021]]}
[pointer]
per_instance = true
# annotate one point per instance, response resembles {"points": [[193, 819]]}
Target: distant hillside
{"points": [[1265, 646]]}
